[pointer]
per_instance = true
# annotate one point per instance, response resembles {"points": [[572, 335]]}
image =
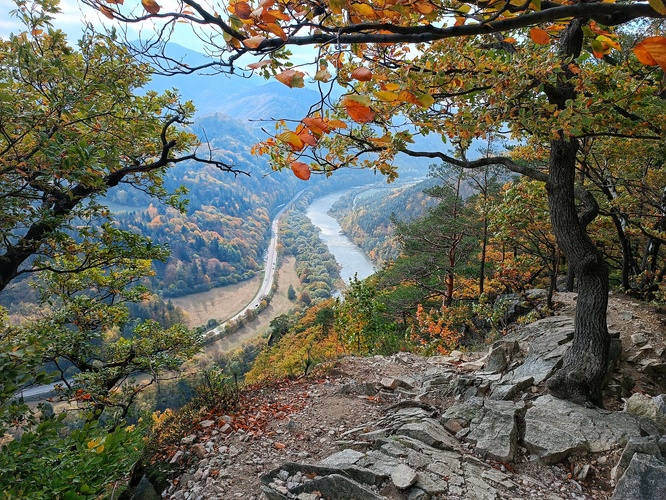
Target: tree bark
{"points": [[585, 364]]}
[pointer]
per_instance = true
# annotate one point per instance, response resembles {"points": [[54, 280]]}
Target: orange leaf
{"points": [[357, 111], [259, 64], [407, 96], [276, 30], [539, 36], [291, 78], [243, 10], [254, 42], [362, 74], [151, 6], [423, 7], [652, 51], [336, 124], [307, 138], [316, 125], [302, 171]]}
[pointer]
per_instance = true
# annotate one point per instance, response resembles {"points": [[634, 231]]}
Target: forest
{"points": [[570, 95]]}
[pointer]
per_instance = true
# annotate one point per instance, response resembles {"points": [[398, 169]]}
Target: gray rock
{"points": [[509, 391], [555, 428], [430, 432], [338, 487], [548, 339], [431, 484], [495, 432], [498, 360], [393, 382], [644, 479], [647, 445], [418, 494], [145, 491], [366, 389], [652, 407], [638, 339], [342, 458], [403, 476]]}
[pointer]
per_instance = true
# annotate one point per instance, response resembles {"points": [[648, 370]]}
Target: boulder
{"points": [[652, 407], [555, 428], [644, 479], [648, 445], [495, 431], [403, 476], [430, 432]]}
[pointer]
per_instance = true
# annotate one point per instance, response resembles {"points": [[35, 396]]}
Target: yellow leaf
{"points": [[426, 100], [539, 36], [364, 10], [292, 140], [385, 95], [151, 6], [337, 6], [391, 86], [658, 5]]}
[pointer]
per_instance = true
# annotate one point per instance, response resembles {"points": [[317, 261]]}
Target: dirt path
{"points": [[218, 303], [279, 305]]}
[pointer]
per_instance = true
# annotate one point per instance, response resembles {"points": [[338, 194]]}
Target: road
{"points": [[269, 271]]}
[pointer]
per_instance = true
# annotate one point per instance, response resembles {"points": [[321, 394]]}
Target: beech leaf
{"points": [[243, 10], [539, 36], [302, 171], [357, 111], [292, 140], [291, 78], [652, 51], [151, 6], [362, 74], [253, 42]]}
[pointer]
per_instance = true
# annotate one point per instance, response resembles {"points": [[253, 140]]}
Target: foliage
{"points": [[83, 463]]}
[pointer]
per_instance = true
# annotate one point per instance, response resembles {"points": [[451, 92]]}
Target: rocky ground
{"points": [[471, 426]]}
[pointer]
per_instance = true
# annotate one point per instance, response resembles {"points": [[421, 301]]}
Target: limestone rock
{"points": [[555, 428], [644, 479]]}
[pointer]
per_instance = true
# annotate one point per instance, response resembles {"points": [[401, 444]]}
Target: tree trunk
{"points": [[583, 373]]}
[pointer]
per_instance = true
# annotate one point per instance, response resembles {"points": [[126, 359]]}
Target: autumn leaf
{"points": [[387, 96], [357, 110], [291, 78], [658, 5], [302, 171], [322, 75], [118, 2], [318, 126], [539, 36], [652, 51], [243, 10], [259, 64], [307, 138], [276, 30], [425, 100], [151, 6], [254, 42], [292, 140], [362, 74]]}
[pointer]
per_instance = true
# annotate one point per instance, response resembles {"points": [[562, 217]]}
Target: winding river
{"points": [[350, 257]]}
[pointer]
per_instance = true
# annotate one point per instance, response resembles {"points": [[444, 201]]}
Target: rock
{"points": [[206, 423], [638, 339], [338, 487], [418, 494], [644, 479], [198, 450], [188, 440], [431, 484], [548, 339], [342, 458], [495, 431], [145, 491], [509, 391], [394, 383], [453, 425], [647, 445], [555, 428], [365, 389], [651, 407], [498, 360], [430, 432], [226, 429], [403, 476]]}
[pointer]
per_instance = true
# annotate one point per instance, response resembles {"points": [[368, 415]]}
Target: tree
{"points": [[291, 293], [69, 134], [550, 73]]}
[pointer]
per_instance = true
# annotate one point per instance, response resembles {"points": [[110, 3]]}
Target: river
{"points": [[350, 257]]}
